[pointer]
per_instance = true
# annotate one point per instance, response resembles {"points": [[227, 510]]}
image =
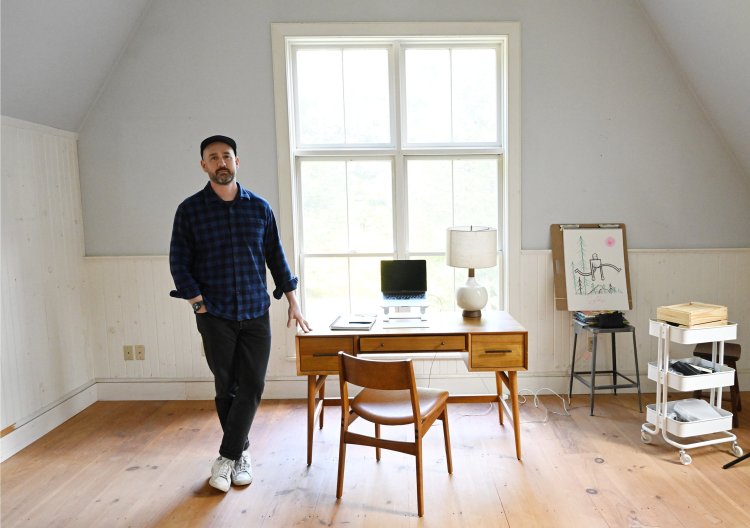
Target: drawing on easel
{"points": [[595, 261]]}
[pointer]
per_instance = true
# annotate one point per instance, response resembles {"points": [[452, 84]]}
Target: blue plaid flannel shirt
{"points": [[220, 250]]}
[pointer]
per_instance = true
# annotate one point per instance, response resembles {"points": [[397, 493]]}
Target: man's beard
{"points": [[222, 177]]}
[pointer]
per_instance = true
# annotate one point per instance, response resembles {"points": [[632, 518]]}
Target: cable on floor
{"points": [[537, 403]]}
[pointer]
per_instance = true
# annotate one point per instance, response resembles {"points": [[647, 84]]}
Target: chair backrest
{"points": [[372, 374]]}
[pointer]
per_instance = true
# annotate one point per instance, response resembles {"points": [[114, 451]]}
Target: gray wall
{"points": [[610, 130]]}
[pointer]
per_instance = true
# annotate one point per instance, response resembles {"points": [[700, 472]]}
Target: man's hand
{"points": [[194, 300], [295, 316]]}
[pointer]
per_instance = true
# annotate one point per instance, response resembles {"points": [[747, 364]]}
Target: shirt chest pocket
{"points": [[247, 230]]}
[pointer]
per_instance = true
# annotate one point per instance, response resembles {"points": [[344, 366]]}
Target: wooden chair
{"points": [[389, 397], [732, 353]]}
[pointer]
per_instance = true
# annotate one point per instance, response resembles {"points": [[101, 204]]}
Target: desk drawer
{"points": [[413, 343], [498, 351], [320, 354]]}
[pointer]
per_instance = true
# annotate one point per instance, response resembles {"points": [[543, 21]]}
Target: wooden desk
{"points": [[495, 343]]}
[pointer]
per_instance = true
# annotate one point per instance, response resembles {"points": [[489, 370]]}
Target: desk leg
{"points": [[310, 416], [315, 387], [513, 388], [321, 398], [511, 381], [499, 383]]}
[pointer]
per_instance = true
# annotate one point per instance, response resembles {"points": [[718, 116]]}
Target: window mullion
{"points": [[400, 205]]}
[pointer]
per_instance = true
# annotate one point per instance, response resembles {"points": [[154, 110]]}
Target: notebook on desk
{"points": [[403, 282], [353, 322]]}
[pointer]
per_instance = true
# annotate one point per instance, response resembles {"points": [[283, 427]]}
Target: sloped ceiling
{"points": [[57, 56], [710, 42]]}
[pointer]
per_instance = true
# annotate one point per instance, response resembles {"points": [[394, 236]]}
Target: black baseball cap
{"points": [[218, 139]]}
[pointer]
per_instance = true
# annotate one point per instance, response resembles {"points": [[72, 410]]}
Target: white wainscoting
{"points": [[130, 304], [46, 366]]}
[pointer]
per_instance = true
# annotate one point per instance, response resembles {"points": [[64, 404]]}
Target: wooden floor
{"points": [[143, 464]]}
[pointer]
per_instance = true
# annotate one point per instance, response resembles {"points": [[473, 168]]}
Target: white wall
{"points": [[45, 356], [611, 132]]}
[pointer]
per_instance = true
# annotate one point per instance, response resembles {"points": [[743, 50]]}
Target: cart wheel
{"points": [[645, 437], [685, 458], [736, 450]]}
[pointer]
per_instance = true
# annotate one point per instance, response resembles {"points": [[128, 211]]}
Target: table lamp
{"points": [[471, 247]]}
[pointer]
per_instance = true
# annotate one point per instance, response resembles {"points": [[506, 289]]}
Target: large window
{"points": [[391, 140]]}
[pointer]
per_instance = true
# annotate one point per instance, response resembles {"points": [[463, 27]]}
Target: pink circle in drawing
{"points": [[610, 241]]}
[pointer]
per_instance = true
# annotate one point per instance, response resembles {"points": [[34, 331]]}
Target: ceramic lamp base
{"points": [[472, 297]]}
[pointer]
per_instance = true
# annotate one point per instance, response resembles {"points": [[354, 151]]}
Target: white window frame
{"points": [[510, 125]]}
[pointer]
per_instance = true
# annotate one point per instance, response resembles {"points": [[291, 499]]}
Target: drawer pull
{"points": [[498, 351], [325, 354]]}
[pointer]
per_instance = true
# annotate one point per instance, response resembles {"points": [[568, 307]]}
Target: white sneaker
{"points": [[221, 474], [242, 475]]}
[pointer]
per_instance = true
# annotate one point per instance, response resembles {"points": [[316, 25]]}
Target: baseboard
{"points": [[58, 413], [295, 387]]}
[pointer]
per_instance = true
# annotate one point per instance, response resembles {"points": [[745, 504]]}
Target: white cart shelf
{"points": [[723, 376]]}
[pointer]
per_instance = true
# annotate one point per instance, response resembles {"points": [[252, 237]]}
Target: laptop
{"points": [[403, 282]]}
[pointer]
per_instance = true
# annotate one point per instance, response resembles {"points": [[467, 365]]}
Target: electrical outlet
{"points": [[140, 352], [128, 352]]}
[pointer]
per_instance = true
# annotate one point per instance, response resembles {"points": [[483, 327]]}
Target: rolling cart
{"points": [[657, 415]]}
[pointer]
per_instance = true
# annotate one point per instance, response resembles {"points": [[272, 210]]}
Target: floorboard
{"points": [[146, 464]]}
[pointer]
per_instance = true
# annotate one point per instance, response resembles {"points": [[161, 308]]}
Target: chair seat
{"points": [[393, 407], [732, 351]]}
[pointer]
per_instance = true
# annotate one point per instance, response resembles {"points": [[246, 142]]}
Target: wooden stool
{"points": [[732, 353]]}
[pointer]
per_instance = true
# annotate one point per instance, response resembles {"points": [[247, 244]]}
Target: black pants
{"points": [[237, 353]]}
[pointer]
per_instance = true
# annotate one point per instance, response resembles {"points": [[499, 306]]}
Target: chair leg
{"points": [[735, 389], [637, 373], [377, 435], [447, 438], [418, 456], [342, 461], [734, 396]]}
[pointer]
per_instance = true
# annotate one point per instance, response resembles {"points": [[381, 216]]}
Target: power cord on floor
{"points": [[537, 403], [521, 401]]}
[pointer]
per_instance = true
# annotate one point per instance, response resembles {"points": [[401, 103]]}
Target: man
{"points": [[222, 240]]}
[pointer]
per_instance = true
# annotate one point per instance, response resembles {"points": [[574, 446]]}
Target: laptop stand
{"points": [[405, 319]]}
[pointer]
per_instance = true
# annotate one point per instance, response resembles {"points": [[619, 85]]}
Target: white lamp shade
{"points": [[471, 247]]}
